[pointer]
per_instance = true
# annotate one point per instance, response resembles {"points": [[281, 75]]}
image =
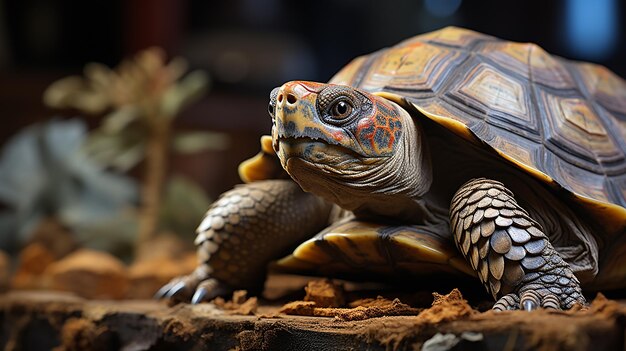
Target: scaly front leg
{"points": [[510, 252], [242, 232]]}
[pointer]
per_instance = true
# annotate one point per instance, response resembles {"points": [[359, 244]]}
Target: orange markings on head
{"points": [[337, 135], [365, 131], [310, 87], [379, 133]]}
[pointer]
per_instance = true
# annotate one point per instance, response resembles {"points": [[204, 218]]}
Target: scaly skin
{"points": [[509, 250], [242, 231]]}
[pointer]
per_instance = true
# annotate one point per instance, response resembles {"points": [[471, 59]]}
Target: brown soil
{"points": [[325, 293], [46, 320], [326, 298], [239, 304], [448, 307]]}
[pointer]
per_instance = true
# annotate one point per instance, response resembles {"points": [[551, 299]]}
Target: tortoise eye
{"points": [[341, 109], [271, 108]]}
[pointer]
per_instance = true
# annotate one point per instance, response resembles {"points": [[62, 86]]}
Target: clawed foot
{"points": [[531, 299], [195, 288], [554, 287]]}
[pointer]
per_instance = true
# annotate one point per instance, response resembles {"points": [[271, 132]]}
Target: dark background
{"points": [[251, 46]]}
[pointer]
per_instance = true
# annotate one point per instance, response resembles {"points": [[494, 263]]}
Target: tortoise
{"points": [[450, 153]]}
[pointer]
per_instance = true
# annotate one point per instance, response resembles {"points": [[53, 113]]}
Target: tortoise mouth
{"points": [[315, 151], [317, 165]]}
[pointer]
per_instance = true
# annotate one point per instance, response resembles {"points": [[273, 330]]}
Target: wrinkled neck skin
{"points": [[391, 188]]}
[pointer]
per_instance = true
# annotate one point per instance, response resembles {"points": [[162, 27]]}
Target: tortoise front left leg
{"points": [[512, 255], [242, 232]]}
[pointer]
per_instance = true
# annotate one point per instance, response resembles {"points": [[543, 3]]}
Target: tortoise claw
{"points": [[180, 288], [163, 291], [209, 289], [199, 295], [199, 283], [530, 300], [176, 290], [529, 305]]}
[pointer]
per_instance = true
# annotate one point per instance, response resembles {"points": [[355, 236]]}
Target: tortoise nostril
{"points": [[291, 99], [280, 98]]}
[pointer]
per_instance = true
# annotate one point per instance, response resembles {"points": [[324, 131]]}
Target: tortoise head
{"points": [[345, 144]]}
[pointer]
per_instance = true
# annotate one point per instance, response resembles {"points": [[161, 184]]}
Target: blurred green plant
{"points": [[43, 173], [184, 204], [139, 100]]}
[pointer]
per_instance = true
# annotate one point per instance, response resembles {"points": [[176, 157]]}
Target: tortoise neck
{"points": [[403, 190], [405, 210], [412, 166]]}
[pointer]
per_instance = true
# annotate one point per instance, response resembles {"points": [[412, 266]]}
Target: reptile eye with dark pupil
{"points": [[341, 109]]}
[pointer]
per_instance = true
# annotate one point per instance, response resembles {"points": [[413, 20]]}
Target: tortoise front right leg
{"points": [[510, 252], [242, 232]]}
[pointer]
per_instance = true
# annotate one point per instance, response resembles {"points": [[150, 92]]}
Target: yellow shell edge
{"points": [[260, 166]]}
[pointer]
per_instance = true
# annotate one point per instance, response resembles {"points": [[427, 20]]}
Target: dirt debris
{"points": [[324, 299], [302, 308], [358, 310], [240, 304], [325, 293], [447, 308], [378, 307], [451, 307]]}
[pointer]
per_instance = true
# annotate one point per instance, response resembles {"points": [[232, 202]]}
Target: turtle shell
{"points": [[563, 122]]}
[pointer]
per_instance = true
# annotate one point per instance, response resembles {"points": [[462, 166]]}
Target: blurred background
{"points": [[133, 153], [250, 46]]}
